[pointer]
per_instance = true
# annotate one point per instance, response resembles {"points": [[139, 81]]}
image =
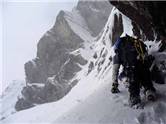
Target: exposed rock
{"points": [[55, 65], [95, 56], [33, 93], [53, 60], [54, 47], [90, 67], [147, 15], [95, 13], [117, 29], [54, 90], [34, 71], [23, 104]]}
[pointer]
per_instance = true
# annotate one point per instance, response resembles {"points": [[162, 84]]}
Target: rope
{"points": [[139, 49]]}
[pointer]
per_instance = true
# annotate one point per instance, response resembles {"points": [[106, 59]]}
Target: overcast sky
{"points": [[23, 24]]}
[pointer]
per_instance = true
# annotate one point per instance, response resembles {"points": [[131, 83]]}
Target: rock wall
{"points": [[95, 14], [49, 76], [148, 15]]}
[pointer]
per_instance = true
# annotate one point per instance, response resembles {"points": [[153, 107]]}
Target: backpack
{"points": [[131, 51]]}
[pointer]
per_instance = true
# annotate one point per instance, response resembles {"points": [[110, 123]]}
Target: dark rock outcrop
{"points": [[23, 104], [117, 29], [49, 75], [53, 61], [95, 13], [53, 51], [148, 15]]}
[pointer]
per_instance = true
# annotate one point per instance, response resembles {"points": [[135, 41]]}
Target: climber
{"points": [[131, 53]]}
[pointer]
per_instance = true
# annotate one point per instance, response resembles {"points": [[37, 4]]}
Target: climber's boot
{"points": [[150, 95]]}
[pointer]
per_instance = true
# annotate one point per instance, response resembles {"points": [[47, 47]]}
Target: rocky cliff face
{"points": [[149, 16], [53, 51], [121, 23], [60, 53], [95, 14]]}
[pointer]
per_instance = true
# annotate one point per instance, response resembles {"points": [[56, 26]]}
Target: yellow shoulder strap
{"points": [[139, 49]]}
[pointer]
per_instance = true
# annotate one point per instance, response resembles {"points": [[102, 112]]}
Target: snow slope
{"points": [[81, 29], [102, 107], [9, 98], [90, 101], [48, 113]]}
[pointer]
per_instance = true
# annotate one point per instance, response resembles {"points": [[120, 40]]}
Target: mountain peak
{"points": [[56, 59]]}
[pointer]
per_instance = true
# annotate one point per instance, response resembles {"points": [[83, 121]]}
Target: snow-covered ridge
{"points": [[78, 24], [103, 47], [87, 85], [81, 91], [81, 29], [90, 101]]}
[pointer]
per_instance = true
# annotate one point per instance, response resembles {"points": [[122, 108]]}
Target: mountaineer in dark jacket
{"points": [[132, 55]]}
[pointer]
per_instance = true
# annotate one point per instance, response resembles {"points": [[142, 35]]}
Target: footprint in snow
{"points": [[159, 111], [156, 115]]}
